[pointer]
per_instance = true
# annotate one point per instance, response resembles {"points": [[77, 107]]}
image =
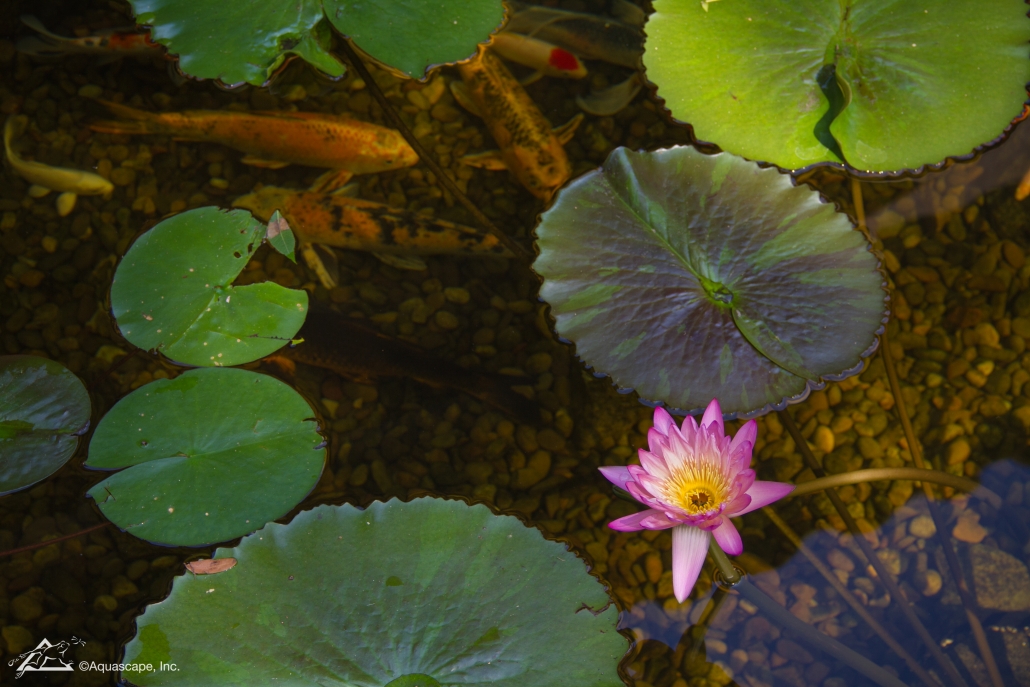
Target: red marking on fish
{"points": [[564, 60]]}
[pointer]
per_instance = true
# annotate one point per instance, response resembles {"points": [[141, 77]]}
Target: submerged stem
{"points": [[848, 597], [423, 154], [881, 571], [722, 562], [914, 474], [954, 568], [48, 542]]}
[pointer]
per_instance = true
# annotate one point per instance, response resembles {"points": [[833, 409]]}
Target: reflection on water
{"points": [[954, 242]]}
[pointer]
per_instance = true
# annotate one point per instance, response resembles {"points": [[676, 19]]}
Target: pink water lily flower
{"points": [[694, 479]]}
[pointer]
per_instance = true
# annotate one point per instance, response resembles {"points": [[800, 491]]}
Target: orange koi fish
{"points": [[528, 146], [277, 139], [356, 224], [546, 59], [113, 43]]}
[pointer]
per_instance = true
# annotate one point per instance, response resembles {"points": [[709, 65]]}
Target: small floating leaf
{"points": [[916, 81], [196, 474], [211, 566], [691, 277], [173, 292], [44, 408], [484, 601], [280, 236]]}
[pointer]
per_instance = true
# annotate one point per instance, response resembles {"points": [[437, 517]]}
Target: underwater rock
{"points": [[1000, 580], [1017, 651]]}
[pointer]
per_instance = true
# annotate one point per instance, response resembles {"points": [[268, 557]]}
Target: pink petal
{"points": [[653, 463], [728, 538], [748, 433], [657, 520], [689, 426], [743, 481], [633, 523], [738, 504], [617, 474], [662, 420], [713, 414], [689, 548], [764, 493], [640, 494]]}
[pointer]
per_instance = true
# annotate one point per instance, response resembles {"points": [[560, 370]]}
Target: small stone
{"points": [[869, 448], [986, 335], [958, 451], [793, 651], [28, 606], [445, 319], [17, 638], [164, 562], [123, 176], [456, 294], [968, 528], [1001, 581], [122, 587], [538, 363], [536, 469], [823, 439], [840, 560], [105, 602], [91, 91], [442, 112], [653, 567], [928, 582], [359, 475], [922, 526]]}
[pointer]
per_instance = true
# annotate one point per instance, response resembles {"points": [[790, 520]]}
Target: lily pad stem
{"points": [[848, 597], [914, 474], [856, 197], [882, 573], [730, 575], [423, 154], [954, 568], [48, 542]]}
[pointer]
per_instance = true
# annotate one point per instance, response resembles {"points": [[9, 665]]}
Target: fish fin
{"points": [[36, 25], [329, 261], [351, 190], [66, 203], [565, 132], [133, 121], [610, 100], [285, 365], [402, 262], [37, 191], [39, 46], [464, 98], [331, 182], [313, 261], [532, 78], [263, 163], [628, 13], [1023, 190], [490, 159]]}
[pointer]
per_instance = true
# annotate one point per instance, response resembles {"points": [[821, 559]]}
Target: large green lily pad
{"points": [[237, 42], [173, 292], [44, 408], [208, 456], [691, 277], [248, 41], [421, 593], [922, 79]]}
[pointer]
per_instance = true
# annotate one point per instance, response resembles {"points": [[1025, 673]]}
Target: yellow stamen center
{"points": [[697, 489]]}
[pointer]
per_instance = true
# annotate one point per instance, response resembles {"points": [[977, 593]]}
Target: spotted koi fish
{"points": [[277, 139], [342, 222], [529, 148], [111, 43]]}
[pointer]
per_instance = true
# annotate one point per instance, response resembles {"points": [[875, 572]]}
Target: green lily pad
{"points": [[413, 35], [210, 455], [173, 292], [691, 277], [918, 81], [237, 42], [43, 410], [390, 595]]}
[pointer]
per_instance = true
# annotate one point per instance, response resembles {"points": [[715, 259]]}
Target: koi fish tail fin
{"points": [[132, 121], [497, 392]]}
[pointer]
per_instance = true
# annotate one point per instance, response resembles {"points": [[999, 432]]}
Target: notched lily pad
{"points": [[173, 292], [888, 84], [208, 456], [44, 408], [690, 277], [237, 42], [482, 600]]}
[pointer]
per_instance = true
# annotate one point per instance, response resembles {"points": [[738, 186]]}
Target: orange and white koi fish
{"points": [[342, 222], [529, 148], [589, 36], [277, 139], [69, 183], [544, 58], [112, 43]]}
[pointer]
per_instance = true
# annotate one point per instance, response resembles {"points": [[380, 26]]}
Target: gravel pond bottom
{"points": [[954, 245]]}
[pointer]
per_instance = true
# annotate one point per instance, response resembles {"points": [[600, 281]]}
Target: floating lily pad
{"points": [[208, 456], [421, 593], [238, 42], [691, 277], [173, 292], [43, 410], [918, 81]]}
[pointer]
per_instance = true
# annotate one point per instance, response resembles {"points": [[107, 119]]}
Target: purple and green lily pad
{"points": [[206, 457], [44, 409], [689, 277], [425, 593]]}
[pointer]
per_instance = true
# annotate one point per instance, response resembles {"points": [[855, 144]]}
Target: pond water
{"points": [[954, 242]]}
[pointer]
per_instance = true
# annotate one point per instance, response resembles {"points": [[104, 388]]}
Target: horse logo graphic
{"points": [[46, 656]]}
